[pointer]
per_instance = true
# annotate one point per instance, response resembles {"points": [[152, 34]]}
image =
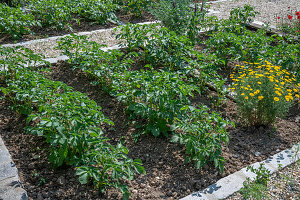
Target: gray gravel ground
{"points": [[269, 9]]}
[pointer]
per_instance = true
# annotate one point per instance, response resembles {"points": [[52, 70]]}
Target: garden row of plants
{"points": [[158, 72], [156, 75], [19, 17], [153, 77], [68, 120]]}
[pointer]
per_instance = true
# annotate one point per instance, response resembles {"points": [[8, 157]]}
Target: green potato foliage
{"points": [[154, 89], [15, 21], [68, 120]]}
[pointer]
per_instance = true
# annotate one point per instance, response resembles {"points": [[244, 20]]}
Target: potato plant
{"points": [[70, 122], [15, 22]]}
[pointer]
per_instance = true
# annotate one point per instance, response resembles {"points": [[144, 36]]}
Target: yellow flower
{"points": [[246, 97], [251, 94], [295, 90], [278, 93], [289, 90], [243, 94], [282, 83], [297, 95], [259, 82], [260, 97], [276, 99], [288, 98]]}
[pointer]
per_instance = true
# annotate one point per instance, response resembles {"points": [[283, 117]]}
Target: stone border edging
{"points": [[234, 182], [10, 185]]}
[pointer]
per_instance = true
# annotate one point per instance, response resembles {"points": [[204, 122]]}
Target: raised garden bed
{"points": [[185, 71]]}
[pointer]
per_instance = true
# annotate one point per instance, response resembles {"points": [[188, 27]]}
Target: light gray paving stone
{"points": [[10, 189], [10, 186], [7, 170], [284, 158], [196, 196]]}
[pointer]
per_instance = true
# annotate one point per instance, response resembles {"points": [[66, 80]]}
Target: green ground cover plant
{"points": [[256, 189], [69, 121]]}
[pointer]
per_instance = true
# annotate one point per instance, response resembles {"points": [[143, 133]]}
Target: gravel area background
{"points": [[269, 9]]}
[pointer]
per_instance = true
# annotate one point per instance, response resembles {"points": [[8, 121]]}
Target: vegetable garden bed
{"points": [[155, 91]]}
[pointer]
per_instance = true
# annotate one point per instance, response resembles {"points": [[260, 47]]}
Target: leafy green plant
{"points": [[69, 121], [15, 22], [263, 92], [52, 13], [204, 133], [243, 15], [136, 7], [257, 188], [96, 11], [178, 16]]}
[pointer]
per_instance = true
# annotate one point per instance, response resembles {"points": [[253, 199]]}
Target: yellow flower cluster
{"points": [[259, 74]]}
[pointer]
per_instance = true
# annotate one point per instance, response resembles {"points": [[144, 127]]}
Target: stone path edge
{"points": [[62, 36], [234, 182], [10, 184]]}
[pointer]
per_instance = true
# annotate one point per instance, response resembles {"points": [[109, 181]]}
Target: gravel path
{"points": [[284, 184], [269, 9]]}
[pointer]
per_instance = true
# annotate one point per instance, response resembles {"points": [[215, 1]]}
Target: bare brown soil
{"points": [[168, 177]]}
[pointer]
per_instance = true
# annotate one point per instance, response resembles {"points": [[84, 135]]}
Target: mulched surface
{"points": [[168, 177], [84, 26]]}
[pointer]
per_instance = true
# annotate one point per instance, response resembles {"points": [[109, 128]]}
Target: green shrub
{"points": [[136, 7], [263, 92], [178, 16]]}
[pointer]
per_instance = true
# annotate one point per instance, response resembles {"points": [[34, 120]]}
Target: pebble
{"points": [[235, 155], [134, 191], [257, 153], [61, 180], [39, 197]]}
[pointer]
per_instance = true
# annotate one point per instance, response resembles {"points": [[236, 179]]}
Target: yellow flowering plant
{"points": [[263, 92]]}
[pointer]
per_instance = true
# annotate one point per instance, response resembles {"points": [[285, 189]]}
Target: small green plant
{"points": [[221, 91], [243, 15], [263, 92], [136, 7], [180, 17], [256, 189]]}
